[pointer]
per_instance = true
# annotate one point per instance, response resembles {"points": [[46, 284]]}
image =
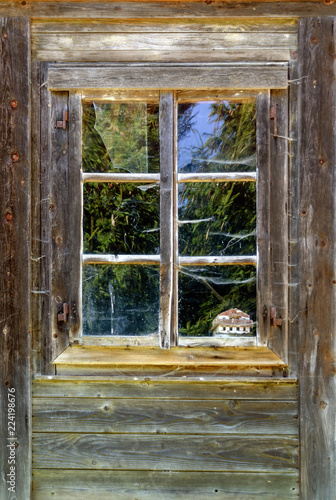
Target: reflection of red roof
{"points": [[232, 317]]}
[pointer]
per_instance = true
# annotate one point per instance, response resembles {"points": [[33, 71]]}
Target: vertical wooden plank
{"points": [[15, 255], [36, 256], [166, 216], [293, 218], [45, 292], [317, 232], [74, 225], [263, 215], [59, 209], [278, 340]]}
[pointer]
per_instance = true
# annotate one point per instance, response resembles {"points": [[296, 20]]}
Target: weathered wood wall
{"points": [[164, 439], [15, 257], [316, 345]]}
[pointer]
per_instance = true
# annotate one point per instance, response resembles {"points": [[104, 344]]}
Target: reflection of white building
{"points": [[231, 322]]}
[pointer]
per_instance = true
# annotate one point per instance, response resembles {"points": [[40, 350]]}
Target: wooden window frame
{"points": [[67, 85]]}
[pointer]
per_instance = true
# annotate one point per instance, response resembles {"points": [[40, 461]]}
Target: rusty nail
{"points": [[13, 103], [5, 35], [9, 216], [15, 156], [323, 243], [314, 40]]}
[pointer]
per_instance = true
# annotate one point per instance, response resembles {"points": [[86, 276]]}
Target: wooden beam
{"points": [[316, 330], [63, 76], [15, 433], [164, 10]]}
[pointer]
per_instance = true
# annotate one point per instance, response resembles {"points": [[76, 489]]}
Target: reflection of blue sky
{"points": [[202, 128]]}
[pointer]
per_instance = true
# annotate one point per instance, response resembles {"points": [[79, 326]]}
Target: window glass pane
{"points": [[121, 218], [216, 136], [120, 300], [121, 137], [206, 292], [217, 218]]}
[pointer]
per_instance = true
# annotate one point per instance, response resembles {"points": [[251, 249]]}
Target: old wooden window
{"points": [[180, 171]]}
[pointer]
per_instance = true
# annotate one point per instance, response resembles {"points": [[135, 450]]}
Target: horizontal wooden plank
{"points": [[162, 41], [174, 388], [223, 55], [176, 356], [143, 485], [218, 261], [219, 176], [120, 259], [101, 415], [153, 341], [126, 177], [167, 76], [159, 452], [253, 25], [165, 10]]}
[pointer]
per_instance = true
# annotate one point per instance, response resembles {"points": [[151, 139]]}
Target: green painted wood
{"points": [[101, 415], [169, 485], [164, 452], [15, 109], [175, 388]]}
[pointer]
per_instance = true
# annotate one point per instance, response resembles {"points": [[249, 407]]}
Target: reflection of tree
{"points": [[120, 218], [222, 209], [123, 219]]}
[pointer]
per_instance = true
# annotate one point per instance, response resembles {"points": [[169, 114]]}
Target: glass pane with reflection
{"points": [[121, 218], [216, 136], [217, 218], [213, 299], [121, 137], [120, 299]]}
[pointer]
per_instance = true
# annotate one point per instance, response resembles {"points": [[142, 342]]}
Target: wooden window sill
{"points": [[178, 361]]}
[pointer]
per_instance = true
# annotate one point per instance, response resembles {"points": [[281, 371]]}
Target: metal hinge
{"points": [[274, 320], [63, 316], [62, 124], [274, 117]]}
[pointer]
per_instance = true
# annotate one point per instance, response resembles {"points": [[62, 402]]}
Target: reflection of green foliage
{"points": [[121, 137], [206, 292], [118, 216], [228, 209], [120, 300]]}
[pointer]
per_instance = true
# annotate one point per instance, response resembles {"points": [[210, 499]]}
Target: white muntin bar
{"points": [[219, 177], [240, 260], [126, 177], [120, 259]]}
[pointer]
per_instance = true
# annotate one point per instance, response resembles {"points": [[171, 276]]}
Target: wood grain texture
{"points": [[317, 236], [169, 485], [74, 221], [196, 25], [167, 76], [181, 356], [177, 46], [293, 218], [278, 335], [164, 10], [101, 415], [166, 120], [263, 215], [15, 115], [164, 452], [175, 388]]}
